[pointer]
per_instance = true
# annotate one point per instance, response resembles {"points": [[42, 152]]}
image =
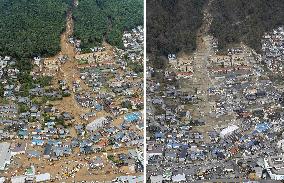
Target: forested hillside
{"points": [[245, 20], [99, 19], [172, 25], [31, 27]]}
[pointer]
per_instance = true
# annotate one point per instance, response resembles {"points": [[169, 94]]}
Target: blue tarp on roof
{"points": [[37, 142], [262, 127], [54, 142], [176, 145], [135, 116], [99, 107], [23, 132], [173, 145], [243, 138], [159, 135]]}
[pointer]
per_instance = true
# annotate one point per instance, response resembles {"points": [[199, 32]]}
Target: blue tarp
{"points": [[135, 116], [99, 107], [23, 132], [262, 127], [37, 142], [159, 135]]}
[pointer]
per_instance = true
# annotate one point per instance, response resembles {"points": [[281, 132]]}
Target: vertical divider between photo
{"points": [[145, 94]]}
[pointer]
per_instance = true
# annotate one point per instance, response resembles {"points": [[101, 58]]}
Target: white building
{"points": [[2, 179], [130, 179], [37, 61], [179, 178], [43, 177], [156, 179], [280, 144], [275, 167], [5, 155], [18, 179], [96, 124], [228, 131]]}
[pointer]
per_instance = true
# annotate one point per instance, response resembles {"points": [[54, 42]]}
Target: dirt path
{"points": [[58, 168], [68, 71], [69, 68], [201, 82], [207, 20], [201, 79]]}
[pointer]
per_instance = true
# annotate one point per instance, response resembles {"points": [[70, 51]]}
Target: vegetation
{"points": [[96, 20], [136, 67], [1, 90], [114, 159], [235, 21], [60, 121], [24, 77], [126, 104], [172, 25], [23, 108], [31, 27], [39, 100], [26, 80], [43, 81]]}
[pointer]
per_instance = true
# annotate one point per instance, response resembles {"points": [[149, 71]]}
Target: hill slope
{"points": [[172, 25], [242, 20], [31, 27], [96, 20]]}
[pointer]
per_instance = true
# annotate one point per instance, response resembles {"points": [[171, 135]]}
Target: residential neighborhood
{"points": [[215, 117], [75, 117], [142, 91]]}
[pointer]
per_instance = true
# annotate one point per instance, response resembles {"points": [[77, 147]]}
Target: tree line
{"points": [[31, 27], [236, 21], [172, 25], [98, 20]]}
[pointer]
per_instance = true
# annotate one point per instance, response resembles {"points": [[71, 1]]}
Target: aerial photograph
{"points": [[215, 91], [71, 91]]}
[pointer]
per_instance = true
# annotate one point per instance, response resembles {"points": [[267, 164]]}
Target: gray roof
{"points": [[5, 155]]}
